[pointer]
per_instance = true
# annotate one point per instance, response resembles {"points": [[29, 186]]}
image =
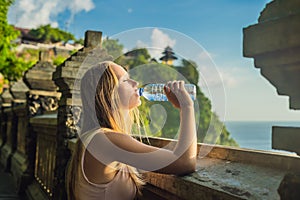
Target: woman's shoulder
{"points": [[87, 136], [105, 133], [109, 137], [96, 131]]}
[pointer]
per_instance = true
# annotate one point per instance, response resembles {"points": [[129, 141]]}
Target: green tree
{"points": [[79, 41], [211, 129], [11, 66], [47, 34], [113, 47], [189, 71]]}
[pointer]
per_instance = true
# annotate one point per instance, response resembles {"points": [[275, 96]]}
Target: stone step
{"points": [[81, 53], [78, 58], [72, 63]]}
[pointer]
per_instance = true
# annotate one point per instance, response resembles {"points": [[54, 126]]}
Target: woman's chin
{"points": [[137, 104]]}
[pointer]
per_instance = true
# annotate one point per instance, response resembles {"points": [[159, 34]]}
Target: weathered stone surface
{"points": [[93, 39], [286, 138], [279, 9], [11, 139], [274, 35], [42, 100], [289, 187], [6, 98], [34, 192], [67, 77], [274, 43], [18, 90], [228, 173], [39, 77], [45, 127], [42, 96]]}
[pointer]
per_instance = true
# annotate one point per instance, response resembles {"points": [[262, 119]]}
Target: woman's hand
{"points": [[177, 94]]}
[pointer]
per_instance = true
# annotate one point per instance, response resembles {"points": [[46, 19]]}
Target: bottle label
{"points": [[155, 92]]}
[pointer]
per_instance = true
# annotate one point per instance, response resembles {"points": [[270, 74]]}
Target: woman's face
{"points": [[127, 88]]}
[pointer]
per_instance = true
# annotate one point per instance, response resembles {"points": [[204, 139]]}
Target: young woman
{"points": [[104, 163]]}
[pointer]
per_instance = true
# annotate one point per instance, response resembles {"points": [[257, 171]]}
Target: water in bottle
{"points": [[155, 91]]}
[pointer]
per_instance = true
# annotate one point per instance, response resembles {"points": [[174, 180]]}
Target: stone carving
{"points": [[39, 104], [49, 103], [73, 120]]}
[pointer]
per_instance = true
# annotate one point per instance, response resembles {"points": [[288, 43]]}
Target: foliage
{"points": [[113, 47], [11, 66], [80, 41], [58, 60], [133, 58], [29, 55], [47, 34], [189, 71], [138, 61]]}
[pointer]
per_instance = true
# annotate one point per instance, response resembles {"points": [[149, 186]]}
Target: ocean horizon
{"points": [[256, 134]]}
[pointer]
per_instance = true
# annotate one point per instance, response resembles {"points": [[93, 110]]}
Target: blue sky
{"points": [[212, 25]]}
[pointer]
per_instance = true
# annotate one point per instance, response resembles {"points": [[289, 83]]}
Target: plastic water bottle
{"points": [[155, 91]]}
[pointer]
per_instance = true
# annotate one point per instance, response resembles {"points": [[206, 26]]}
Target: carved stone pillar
{"points": [[21, 166], [3, 120], [42, 103], [43, 96], [274, 43], [5, 99], [10, 130], [69, 111]]}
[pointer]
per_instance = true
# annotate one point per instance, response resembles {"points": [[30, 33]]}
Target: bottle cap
{"points": [[140, 91]]}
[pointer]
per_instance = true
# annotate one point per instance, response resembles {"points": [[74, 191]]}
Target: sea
{"points": [[256, 134]]}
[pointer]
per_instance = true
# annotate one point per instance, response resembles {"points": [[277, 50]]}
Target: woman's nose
{"points": [[135, 83]]}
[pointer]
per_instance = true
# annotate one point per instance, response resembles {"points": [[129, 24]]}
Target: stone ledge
{"points": [[281, 161], [221, 179], [228, 173], [224, 173]]}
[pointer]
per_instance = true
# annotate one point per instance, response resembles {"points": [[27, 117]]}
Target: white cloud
{"points": [[159, 41], [32, 13]]}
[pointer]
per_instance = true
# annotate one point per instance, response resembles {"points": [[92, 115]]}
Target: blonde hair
{"points": [[103, 88]]}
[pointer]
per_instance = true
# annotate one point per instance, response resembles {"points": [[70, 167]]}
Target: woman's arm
{"points": [[113, 146]]}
